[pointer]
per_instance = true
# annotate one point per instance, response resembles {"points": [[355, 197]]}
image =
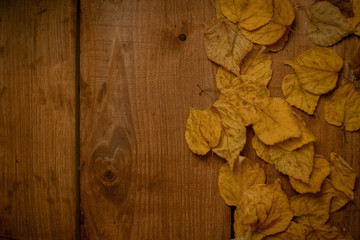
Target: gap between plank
{"points": [[77, 120]]}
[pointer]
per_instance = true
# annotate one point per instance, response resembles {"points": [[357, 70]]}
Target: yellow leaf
{"points": [[344, 108], [317, 69], [297, 164], [276, 123], [226, 80], [210, 127], [265, 209], [239, 231], [296, 96], [311, 210], [256, 67], [321, 170], [327, 25], [327, 232], [262, 150], [294, 231], [339, 198], [294, 143], [280, 44], [226, 46], [219, 14], [243, 102], [234, 182], [193, 135], [355, 20], [249, 14], [271, 32], [233, 137], [342, 176]]}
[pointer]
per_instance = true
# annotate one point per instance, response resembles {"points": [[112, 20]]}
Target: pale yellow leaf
{"points": [[327, 232], [249, 14], [280, 44], [317, 69], [276, 123], [265, 209], [327, 25], [256, 67], [261, 150], [271, 32], [193, 135], [232, 140], [226, 46], [342, 176], [311, 209], [297, 164], [243, 102], [294, 231], [344, 108], [294, 143], [296, 96], [234, 182], [321, 170]]}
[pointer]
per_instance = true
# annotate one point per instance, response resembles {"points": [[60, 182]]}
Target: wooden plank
{"points": [[37, 120], [138, 82], [329, 138]]}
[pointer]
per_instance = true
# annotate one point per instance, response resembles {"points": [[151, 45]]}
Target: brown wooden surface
{"points": [[37, 120], [138, 82]]}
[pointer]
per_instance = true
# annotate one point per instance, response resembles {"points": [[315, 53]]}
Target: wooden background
{"points": [[138, 81]]}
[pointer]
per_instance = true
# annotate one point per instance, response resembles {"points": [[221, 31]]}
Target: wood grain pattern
{"points": [[37, 120], [138, 82]]}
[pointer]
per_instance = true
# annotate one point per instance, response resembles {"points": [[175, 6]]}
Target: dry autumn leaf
{"points": [[339, 198], [296, 96], [271, 32], [321, 170], [297, 164], [232, 140], [343, 109], [265, 209], [276, 123], [294, 143], [239, 231], [226, 80], [327, 232], [355, 20], [280, 44], [317, 69], [195, 137], [261, 150], [327, 25], [234, 182], [249, 14], [210, 127], [256, 67], [342, 176], [294, 231], [226, 46], [345, 6], [243, 102], [311, 210]]}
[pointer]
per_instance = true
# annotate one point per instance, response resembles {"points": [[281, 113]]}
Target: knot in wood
{"points": [[182, 37], [106, 172]]}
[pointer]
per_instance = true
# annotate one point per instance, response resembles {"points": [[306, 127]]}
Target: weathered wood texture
{"points": [[138, 83], [37, 120]]}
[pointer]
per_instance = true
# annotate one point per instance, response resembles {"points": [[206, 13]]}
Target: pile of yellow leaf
{"points": [[240, 42]]}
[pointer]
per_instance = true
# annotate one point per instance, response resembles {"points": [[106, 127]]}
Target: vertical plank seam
{"points": [[77, 120]]}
